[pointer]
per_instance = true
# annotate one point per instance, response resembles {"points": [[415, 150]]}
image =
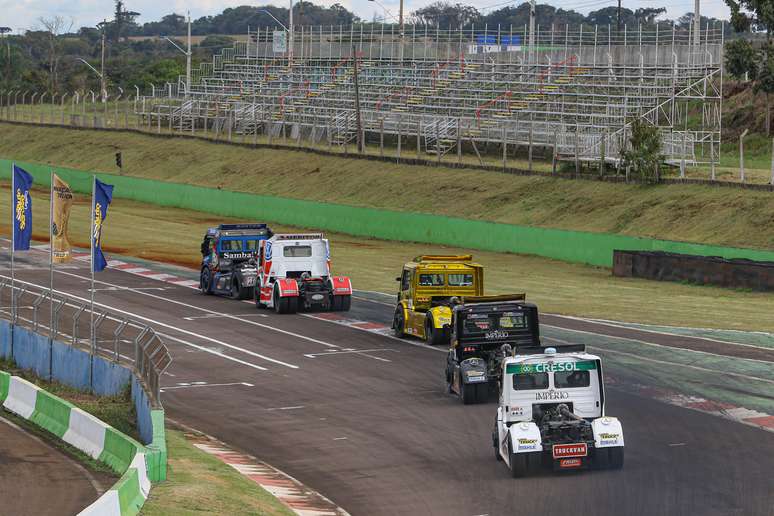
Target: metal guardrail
{"points": [[116, 337]]}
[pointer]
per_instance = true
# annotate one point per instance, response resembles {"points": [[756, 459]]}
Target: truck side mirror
{"points": [[204, 248], [397, 279]]}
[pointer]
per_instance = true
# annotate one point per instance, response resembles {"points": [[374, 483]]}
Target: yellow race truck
{"points": [[430, 286]]}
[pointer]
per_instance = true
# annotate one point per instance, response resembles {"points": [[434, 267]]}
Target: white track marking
{"points": [[612, 324], [213, 312], [653, 344], [294, 407], [180, 330], [363, 352], [665, 362], [192, 386]]}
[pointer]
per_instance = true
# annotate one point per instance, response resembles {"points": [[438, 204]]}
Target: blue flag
{"points": [[103, 195], [22, 209]]}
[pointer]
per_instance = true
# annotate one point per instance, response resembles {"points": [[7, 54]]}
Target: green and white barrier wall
{"points": [[85, 432], [572, 246]]}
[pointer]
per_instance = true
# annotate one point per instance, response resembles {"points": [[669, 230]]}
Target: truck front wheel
{"points": [[398, 324], [205, 281]]}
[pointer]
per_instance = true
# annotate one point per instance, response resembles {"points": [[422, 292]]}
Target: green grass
{"points": [[555, 286], [198, 483], [722, 216]]}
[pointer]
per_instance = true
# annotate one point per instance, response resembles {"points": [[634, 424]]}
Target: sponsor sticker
{"points": [[570, 463], [561, 451], [551, 395], [527, 441], [551, 367], [608, 442]]}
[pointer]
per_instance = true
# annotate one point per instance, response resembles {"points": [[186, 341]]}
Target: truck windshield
{"points": [[231, 245], [297, 251], [251, 245], [431, 280], [530, 381], [460, 280]]}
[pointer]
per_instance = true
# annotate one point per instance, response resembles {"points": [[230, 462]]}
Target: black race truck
{"points": [[486, 330]]}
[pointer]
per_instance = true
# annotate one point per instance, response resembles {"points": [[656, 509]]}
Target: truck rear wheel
{"points": [[285, 305], [519, 463], [616, 457], [341, 303], [469, 394], [433, 337]]}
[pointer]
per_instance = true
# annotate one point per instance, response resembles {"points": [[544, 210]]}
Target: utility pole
{"points": [[531, 56], [696, 23], [290, 36], [619, 15], [400, 28], [358, 121], [4, 31], [188, 59], [103, 93]]}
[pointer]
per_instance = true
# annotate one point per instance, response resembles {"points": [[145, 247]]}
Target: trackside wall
{"points": [[53, 360], [572, 246], [85, 432]]}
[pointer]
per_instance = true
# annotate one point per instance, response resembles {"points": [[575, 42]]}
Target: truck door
{"points": [[405, 285]]}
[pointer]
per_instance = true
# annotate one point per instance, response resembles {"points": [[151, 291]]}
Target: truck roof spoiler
{"points": [[443, 258], [493, 299], [242, 226], [541, 350], [298, 236]]}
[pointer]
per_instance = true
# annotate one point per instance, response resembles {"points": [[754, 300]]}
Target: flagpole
{"points": [[51, 255], [13, 241], [91, 244]]}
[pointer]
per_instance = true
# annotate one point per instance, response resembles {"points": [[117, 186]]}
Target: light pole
{"points": [[3, 32], [400, 22], [187, 56]]}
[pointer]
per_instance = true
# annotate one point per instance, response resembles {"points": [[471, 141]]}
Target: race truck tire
{"points": [[398, 323], [240, 292], [519, 463], [609, 458], [205, 282], [495, 442], [469, 394], [433, 337], [341, 303], [616, 457], [285, 305]]}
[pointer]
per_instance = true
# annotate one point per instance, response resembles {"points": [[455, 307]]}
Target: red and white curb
{"points": [[742, 415], [299, 498]]}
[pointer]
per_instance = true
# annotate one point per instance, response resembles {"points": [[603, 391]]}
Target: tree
{"points": [[648, 15], [642, 157], [741, 59], [55, 26], [122, 21], [444, 14]]}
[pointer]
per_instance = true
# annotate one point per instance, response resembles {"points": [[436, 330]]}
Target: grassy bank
{"points": [[198, 483], [174, 235], [712, 215]]}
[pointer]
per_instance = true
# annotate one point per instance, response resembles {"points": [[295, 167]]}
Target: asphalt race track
{"points": [[364, 418], [36, 479]]}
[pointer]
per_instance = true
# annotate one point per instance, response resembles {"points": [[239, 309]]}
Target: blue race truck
{"points": [[228, 259]]}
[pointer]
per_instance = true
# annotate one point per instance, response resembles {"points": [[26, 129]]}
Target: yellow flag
{"points": [[63, 201]]}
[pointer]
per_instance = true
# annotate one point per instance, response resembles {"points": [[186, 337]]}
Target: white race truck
{"points": [[294, 273], [552, 412]]}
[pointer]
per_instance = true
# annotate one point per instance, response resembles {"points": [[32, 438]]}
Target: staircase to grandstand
{"points": [[570, 95]]}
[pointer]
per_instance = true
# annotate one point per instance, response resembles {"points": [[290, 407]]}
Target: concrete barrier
{"points": [[99, 440]]}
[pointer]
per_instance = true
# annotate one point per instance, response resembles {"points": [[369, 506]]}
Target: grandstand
{"points": [[574, 91]]}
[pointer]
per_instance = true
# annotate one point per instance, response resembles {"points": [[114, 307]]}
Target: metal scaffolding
{"points": [[575, 91]]}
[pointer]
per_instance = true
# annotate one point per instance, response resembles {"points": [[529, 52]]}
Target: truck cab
{"points": [[485, 330], [429, 285], [228, 259], [294, 273], [552, 412]]}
